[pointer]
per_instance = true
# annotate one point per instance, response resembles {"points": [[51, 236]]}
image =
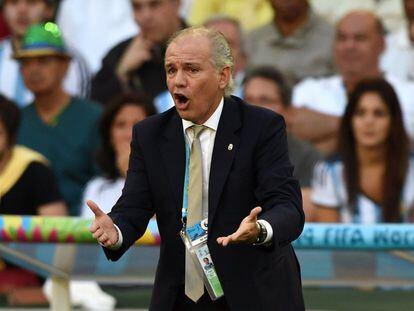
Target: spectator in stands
{"points": [[372, 179], [27, 187], [233, 33], [116, 125], [398, 57], [19, 14], [266, 87], [250, 13], [389, 11], [138, 63], [321, 102], [61, 127], [80, 21], [297, 41]]}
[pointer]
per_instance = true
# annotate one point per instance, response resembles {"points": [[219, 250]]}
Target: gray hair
{"points": [[223, 18], [220, 50]]}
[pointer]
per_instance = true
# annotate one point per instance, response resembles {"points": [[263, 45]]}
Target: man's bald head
{"points": [[359, 43], [369, 19]]}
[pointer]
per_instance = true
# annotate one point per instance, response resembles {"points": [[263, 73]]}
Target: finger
{"points": [[98, 234], [254, 213], [94, 208], [103, 238], [220, 240], [225, 240], [95, 226], [228, 240]]}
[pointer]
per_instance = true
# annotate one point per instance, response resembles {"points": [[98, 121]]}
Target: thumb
{"points": [[95, 208], [254, 213]]}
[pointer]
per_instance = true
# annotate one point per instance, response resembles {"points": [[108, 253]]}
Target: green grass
{"points": [[315, 298], [358, 300], [339, 299]]}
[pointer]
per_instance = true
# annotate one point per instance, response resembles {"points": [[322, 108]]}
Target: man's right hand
{"points": [[102, 228]]}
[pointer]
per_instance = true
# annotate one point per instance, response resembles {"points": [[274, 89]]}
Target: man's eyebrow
{"points": [[192, 64]]}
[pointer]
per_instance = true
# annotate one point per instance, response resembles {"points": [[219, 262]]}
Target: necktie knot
{"points": [[197, 129]]}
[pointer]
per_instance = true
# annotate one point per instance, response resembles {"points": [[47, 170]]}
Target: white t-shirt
{"points": [[329, 189], [328, 95], [102, 191], [398, 57], [95, 26]]}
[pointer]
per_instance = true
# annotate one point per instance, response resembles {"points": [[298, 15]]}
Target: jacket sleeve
{"points": [[277, 190], [134, 208]]}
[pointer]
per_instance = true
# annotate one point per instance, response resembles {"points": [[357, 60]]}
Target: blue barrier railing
{"points": [[314, 236]]}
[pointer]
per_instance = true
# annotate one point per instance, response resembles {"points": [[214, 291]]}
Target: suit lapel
{"points": [[172, 147], [225, 147]]}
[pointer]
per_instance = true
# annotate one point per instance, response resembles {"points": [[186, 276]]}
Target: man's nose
{"points": [[349, 44], [179, 79], [146, 14]]}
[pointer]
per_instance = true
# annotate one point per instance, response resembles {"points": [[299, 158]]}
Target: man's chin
{"points": [[184, 114]]}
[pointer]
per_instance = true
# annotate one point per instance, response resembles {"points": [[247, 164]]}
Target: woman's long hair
{"points": [[397, 149], [106, 154]]}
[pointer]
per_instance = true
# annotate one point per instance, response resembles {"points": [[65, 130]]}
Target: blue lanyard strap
{"points": [[185, 190]]}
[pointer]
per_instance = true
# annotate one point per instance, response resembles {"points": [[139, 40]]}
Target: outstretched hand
{"points": [[247, 231], [102, 228]]}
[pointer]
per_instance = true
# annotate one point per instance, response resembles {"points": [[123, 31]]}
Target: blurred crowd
{"points": [[76, 75]]}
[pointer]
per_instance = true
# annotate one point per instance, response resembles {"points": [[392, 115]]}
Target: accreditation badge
{"points": [[195, 239]]}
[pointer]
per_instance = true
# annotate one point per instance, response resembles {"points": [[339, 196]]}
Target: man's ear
{"points": [[65, 62], [224, 77]]}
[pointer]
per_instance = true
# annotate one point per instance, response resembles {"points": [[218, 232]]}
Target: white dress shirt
{"points": [[207, 138]]}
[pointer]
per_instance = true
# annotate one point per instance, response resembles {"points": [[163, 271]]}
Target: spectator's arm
{"points": [[53, 209], [311, 125], [327, 214], [318, 128]]}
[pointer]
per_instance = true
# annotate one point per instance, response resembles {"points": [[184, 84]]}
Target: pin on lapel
{"points": [[230, 147]]}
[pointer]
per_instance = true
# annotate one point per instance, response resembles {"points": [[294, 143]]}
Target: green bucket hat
{"points": [[42, 40]]}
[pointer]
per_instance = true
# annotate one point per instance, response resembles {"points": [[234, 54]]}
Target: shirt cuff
{"points": [[269, 230], [118, 244]]}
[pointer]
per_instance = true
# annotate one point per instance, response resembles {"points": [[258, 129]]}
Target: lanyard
{"points": [[185, 190]]}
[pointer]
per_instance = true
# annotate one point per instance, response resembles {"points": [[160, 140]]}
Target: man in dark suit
{"points": [[252, 202]]}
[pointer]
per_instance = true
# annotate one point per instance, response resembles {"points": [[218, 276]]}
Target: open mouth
{"points": [[181, 99]]}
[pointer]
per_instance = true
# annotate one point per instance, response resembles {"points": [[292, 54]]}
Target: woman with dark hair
{"points": [[116, 125], [372, 179]]}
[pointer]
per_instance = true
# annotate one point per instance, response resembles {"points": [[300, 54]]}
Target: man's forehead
{"points": [[357, 23], [183, 59], [145, 2], [189, 43], [47, 2]]}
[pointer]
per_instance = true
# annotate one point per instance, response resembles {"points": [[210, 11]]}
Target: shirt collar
{"points": [[212, 122]]}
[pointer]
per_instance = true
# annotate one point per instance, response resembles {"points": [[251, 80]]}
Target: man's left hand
{"points": [[246, 233]]}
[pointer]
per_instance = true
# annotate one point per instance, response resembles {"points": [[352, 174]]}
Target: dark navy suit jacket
{"points": [[255, 172]]}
